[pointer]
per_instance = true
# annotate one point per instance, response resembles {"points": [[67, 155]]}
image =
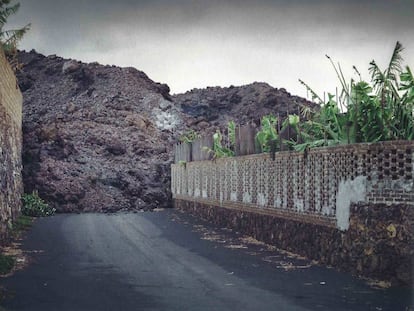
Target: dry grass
{"points": [[236, 246], [378, 283]]}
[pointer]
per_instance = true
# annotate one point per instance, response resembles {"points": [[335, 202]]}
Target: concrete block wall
{"points": [[317, 186], [11, 186]]}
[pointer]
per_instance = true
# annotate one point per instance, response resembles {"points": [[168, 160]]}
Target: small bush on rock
{"points": [[34, 206]]}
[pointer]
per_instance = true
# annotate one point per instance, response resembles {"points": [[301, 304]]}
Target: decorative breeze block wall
{"points": [[318, 186]]}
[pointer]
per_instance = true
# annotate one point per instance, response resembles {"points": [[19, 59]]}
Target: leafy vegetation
{"points": [[268, 133], [382, 109], [189, 136], [9, 38], [221, 149], [231, 132], [364, 112], [6, 263], [34, 206]]}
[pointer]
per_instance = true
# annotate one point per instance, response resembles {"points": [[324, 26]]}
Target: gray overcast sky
{"points": [[189, 43]]}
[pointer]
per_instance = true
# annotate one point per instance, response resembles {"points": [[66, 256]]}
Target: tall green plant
{"points": [[364, 112], [386, 82], [220, 150], [268, 133], [231, 132], [327, 127], [405, 110], [393, 87], [10, 38]]}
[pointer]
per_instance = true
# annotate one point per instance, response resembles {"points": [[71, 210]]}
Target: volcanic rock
{"points": [[100, 138], [242, 104], [96, 138]]}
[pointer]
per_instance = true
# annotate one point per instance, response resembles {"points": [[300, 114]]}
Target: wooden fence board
{"points": [[245, 140]]}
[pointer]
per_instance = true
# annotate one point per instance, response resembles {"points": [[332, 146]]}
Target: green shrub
{"points": [[6, 264], [34, 206]]}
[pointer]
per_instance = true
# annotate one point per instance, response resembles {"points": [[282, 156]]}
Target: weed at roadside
{"points": [[35, 206], [6, 264]]}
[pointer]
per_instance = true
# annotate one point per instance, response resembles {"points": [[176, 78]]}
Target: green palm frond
{"points": [[407, 79], [10, 38], [386, 82], [377, 76], [394, 67], [7, 11]]}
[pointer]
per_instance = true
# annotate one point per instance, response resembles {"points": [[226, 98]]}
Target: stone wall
{"points": [[349, 206], [11, 186], [378, 243]]}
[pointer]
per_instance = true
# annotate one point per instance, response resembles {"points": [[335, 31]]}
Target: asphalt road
{"points": [[169, 261]]}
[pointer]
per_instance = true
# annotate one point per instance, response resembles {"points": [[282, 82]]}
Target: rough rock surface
{"points": [[216, 106], [96, 138], [99, 138]]}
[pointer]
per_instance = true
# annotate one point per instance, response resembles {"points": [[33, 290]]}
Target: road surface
{"points": [[170, 261]]}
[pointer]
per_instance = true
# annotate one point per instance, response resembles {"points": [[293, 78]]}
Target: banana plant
{"points": [[364, 112], [268, 133], [405, 111], [386, 82], [231, 133], [219, 150], [394, 88], [367, 115]]}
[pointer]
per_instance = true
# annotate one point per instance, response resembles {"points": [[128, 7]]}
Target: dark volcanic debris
{"points": [[242, 104], [100, 138], [96, 138]]}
